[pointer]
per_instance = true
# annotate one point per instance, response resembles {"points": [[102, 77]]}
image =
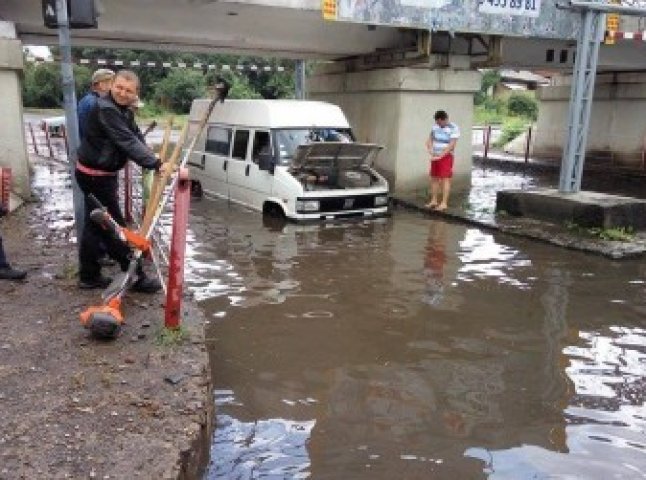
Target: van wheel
{"points": [[196, 189], [273, 210]]}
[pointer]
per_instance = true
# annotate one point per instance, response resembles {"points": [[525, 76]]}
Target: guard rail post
{"points": [[528, 143], [67, 146], [172, 317], [48, 142], [33, 138], [487, 140]]}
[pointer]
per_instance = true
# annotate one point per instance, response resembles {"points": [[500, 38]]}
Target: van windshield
{"points": [[288, 140]]}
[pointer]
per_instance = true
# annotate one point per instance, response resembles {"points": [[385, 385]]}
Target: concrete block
{"points": [[586, 209], [11, 54], [7, 30]]}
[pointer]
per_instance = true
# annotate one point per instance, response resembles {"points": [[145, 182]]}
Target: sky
{"points": [[39, 51]]}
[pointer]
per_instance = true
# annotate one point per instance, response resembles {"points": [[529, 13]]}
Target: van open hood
{"points": [[341, 155]]}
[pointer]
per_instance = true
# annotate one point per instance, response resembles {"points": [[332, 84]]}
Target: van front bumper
{"points": [[317, 216]]}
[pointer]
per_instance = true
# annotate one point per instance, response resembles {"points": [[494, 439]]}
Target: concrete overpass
{"points": [[396, 61]]}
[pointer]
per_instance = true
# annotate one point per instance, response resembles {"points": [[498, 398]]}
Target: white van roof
{"points": [[271, 113]]}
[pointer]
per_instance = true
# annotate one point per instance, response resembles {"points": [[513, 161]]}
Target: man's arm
{"points": [[429, 144], [448, 149], [126, 140], [455, 135]]}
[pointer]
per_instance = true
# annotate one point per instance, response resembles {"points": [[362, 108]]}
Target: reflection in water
{"points": [[273, 448], [410, 348]]}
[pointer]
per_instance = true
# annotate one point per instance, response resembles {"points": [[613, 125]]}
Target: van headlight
{"points": [[308, 205], [381, 201]]}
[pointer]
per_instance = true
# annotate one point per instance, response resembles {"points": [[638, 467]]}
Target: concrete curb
{"points": [[539, 231]]}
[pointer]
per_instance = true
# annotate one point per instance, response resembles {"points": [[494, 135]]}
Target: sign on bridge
{"points": [[525, 18]]}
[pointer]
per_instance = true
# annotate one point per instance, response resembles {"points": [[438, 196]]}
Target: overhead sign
{"points": [[523, 18], [525, 8], [328, 7]]}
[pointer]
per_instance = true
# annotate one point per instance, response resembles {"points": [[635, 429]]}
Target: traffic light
{"points": [[81, 13]]}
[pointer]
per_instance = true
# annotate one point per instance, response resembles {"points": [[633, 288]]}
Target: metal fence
{"points": [[523, 149]]}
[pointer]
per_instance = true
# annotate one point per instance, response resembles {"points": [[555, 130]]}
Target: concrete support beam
{"points": [[394, 107], [13, 148], [617, 135]]}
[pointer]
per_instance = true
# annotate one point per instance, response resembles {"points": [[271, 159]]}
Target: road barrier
{"points": [[168, 239], [40, 141], [5, 186]]}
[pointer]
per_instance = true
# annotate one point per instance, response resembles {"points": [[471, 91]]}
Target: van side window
{"points": [[240, 145], [261, 144], [218, 140]]}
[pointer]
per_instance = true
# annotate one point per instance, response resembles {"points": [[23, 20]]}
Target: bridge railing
{"points": [[524, 148]]}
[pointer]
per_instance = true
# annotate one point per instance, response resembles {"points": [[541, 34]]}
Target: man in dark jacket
{"points": [[101, 83], [111, 139]]}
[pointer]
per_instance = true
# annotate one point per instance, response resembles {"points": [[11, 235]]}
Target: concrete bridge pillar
{"points": [[394, 107], [13, 148], [617, 135]]}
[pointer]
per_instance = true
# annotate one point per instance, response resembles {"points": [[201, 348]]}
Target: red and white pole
{"points": [[175, 288], [5, 186]]}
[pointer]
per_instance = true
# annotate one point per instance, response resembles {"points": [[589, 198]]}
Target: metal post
{"points": [[127, 194], [487, 140], [33, 138], [48, 142], [69, 100], [528, 144], [172, 317], [585, 72], [299, 80], [66, 143]]}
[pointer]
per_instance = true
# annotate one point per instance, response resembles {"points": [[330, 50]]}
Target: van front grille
{"points": [[339, 204]]}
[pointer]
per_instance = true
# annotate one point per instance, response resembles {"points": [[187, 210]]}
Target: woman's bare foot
{"points": [[441, 207], [431, 205]]}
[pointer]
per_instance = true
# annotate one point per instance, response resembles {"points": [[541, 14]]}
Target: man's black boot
{"points": [[9, 273], [145, 284], [96, 282]]}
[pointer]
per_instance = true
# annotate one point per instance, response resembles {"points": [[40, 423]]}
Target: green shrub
{"points": [[512, 128], [177, 91], [522, 105], [487, 117]]}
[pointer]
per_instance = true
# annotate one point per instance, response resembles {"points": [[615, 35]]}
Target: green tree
{"points": [[177, 91], [522, 105], [41, 87], [490, 78]]}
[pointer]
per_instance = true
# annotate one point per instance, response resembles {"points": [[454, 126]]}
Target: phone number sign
{"points": [[525, 8], [522, 18]]}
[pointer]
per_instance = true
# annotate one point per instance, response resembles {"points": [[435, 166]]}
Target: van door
{"points": [[216, 159], [239, 166], [260, 181]]}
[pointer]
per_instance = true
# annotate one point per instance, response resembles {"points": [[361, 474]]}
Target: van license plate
{"points": [[348, 203]]}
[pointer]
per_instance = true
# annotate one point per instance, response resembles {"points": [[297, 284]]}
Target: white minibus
{"points": [[286, 157]]}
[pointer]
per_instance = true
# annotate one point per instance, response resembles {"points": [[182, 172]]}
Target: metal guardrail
{"points": [[168, 238]]}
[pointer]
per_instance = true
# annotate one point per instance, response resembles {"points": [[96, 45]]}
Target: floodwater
{"points": [[412, 348]]}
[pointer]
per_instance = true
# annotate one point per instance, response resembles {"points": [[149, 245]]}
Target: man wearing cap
{"points": [[101, 83], [111, 138]]}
